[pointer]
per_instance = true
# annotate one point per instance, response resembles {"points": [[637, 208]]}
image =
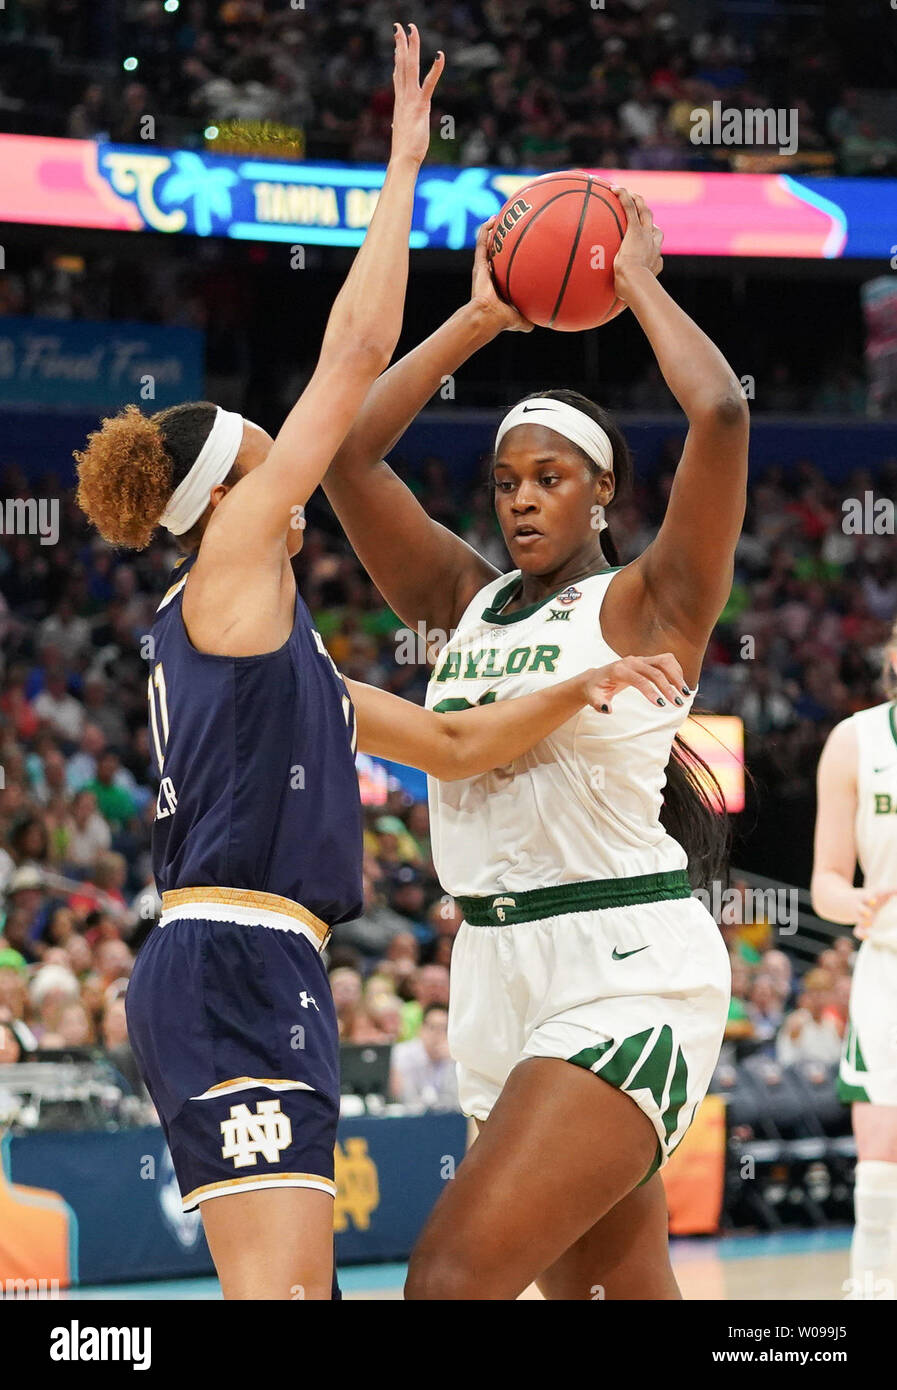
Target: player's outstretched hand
{"points": [[659, 678], [411, 114], [640, 247], [483, 294]]}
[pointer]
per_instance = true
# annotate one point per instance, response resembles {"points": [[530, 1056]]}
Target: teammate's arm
{"points": [[361, 335], [834, 853], [424, 572], [464, 743], [687, 570]]}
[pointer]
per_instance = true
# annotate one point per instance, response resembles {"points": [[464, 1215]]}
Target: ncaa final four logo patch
{"points": [[570, 595]]}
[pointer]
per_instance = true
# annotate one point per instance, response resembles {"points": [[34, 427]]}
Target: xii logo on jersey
{"points": [[246, 1135]]}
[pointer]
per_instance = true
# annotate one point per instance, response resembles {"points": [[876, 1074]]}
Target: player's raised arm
{"points": [[688, 568], [424, 571], [453, 744], [361, 335]]}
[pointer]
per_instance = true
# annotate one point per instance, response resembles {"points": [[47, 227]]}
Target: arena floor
{"points": [[796, 1265]]}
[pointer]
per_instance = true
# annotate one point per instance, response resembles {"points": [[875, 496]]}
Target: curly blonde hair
{"points": [[133, 464]]}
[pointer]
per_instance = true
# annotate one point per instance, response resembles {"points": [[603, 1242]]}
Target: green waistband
{"points": [[504, 909]]}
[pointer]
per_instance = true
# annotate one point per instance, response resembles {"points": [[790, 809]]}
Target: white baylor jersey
{"points": [[876, 815], [585, 802]]}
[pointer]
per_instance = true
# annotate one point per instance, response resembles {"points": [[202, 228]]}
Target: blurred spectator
{"points": [[51, 991], [429, 985], [10, 1047], [423, 1073], [346, 986], [810, 1034], [764, 1011], [114, 1037], [87, 832], [374, 930], [116, 804]]}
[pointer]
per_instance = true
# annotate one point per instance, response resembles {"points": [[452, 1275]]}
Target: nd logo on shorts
{"points": [[246, 1135]]}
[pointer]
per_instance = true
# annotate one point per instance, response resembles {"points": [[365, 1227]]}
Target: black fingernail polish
{"points": [[685, 690], [679, 700], [605, 709], [661, 700]]}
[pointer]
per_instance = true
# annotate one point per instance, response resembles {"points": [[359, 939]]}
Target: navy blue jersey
{"points": [[255, 755]]}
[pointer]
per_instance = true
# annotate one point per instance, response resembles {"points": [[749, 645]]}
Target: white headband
{"points": [[564, 419], [573, 424], [213, 463]]}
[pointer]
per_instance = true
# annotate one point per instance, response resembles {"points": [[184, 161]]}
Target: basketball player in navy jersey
{"points": [[257, 837]]}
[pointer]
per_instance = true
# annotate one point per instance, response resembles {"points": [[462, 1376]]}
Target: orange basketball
{"points": [[552, 250]]}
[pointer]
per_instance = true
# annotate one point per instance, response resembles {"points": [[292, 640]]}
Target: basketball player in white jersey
{"points": [[589, 989], [856, 822]]}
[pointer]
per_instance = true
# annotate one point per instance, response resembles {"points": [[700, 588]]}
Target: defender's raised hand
{"points": [[411, 115]]}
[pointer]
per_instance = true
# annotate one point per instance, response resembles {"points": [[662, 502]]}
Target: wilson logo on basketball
{"points": [[510, 219]]}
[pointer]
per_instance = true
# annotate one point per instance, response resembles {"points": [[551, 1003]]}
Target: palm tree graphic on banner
{"points": [[191, 180], [451, 201]]}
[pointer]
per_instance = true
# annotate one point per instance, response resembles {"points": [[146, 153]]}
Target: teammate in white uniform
{"points": [[589, 989], [857, 823]]}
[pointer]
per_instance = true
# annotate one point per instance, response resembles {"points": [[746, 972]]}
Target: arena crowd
{"points": [[545, 85], [798, 648]]}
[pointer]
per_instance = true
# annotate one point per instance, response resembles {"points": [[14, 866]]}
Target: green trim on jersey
{"points": [[892, 723], [494, 614], [507, 908]]}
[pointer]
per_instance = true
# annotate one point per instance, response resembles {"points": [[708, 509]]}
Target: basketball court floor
{"points": [[796, 1265]]}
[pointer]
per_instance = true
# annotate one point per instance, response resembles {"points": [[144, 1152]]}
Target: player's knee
{"points": [[440, 1275]]}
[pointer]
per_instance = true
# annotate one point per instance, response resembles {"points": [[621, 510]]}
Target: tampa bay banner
{"points": [[81, 183]]}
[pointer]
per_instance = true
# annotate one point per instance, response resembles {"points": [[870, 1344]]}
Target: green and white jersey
{"points": [[876, 814], [585, 802]]}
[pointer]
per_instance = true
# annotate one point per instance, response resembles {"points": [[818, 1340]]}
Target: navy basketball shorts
{"points": [[232, 1023]]}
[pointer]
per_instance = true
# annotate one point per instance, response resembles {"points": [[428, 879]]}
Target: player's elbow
{"points": [[363, 355], [729, 408], [455, 755]]}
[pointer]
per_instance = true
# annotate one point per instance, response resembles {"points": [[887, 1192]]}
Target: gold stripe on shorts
{"points": [[246, 1083], [297, 1179], [248, 898]]}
